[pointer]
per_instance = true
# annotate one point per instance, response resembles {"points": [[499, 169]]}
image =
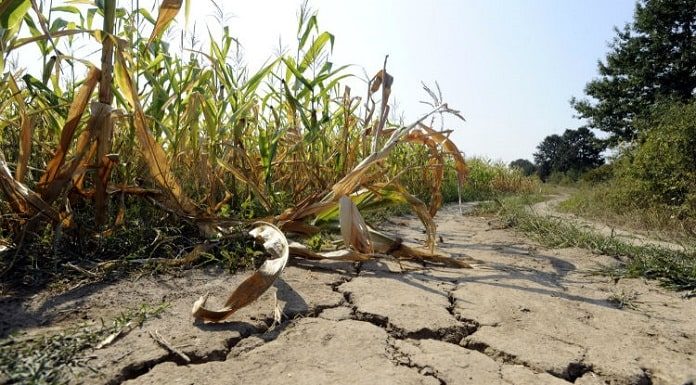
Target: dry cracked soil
{"points": [[524, 315]]}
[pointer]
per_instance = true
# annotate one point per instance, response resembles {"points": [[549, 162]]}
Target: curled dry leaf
{"points": [[167, 12], [300, 250], [381, 77], [353, 228], [276, 245], [449, 147], [21, 198]]}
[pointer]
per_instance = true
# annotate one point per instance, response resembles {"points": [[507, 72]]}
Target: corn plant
{"points": [[197, 135]]}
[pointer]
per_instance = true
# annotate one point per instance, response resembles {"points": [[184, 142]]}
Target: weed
{"points": [[601, 202], [675, 269], [46, 359], [623, 299]]}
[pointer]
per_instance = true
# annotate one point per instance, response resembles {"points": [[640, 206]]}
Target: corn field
{"points": [[196, 137]]}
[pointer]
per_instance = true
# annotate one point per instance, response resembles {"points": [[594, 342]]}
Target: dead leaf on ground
{"points": [[276, 245]]}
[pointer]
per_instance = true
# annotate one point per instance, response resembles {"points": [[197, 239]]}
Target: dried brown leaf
{"points": [[386, 244], [299, 227], [300, 250], [22, 199], [48, 186], [27, 128], [353, 228], [381, 77], [437, 165], [449, 147], [276, 245], [154, 155], [167, 12]]}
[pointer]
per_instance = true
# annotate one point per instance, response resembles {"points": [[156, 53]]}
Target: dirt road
{"points": [[548, 208], [524, 315]]}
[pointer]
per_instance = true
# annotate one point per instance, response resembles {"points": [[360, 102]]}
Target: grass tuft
{"points": [[47, 359], [606, 203], [675, 269]]}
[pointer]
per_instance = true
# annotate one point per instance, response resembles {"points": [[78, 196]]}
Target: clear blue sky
{"points": [[510, 66]]}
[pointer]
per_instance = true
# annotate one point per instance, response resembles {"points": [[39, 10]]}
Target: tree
{"points": [[651, 59], [524, 165], [662, 168], [574, 151]]}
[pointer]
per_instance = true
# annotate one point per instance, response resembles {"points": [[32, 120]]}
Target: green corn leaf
{"points": [[58, 24], [90, 17], [147, 15], [12, 12], [311, 24], [253, 83], [298, 74], [316, 49]]}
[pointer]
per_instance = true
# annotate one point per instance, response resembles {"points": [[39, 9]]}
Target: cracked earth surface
{"points": [[524, 315]]}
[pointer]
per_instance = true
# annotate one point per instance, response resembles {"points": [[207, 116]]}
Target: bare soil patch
{"points": [[524, 315]]}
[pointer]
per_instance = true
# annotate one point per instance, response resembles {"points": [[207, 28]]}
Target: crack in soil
{"points": [[399, 358], [573, 371], [137, 369], [452, 334], [268, 332], [646, 379], [471, 324], [570, 373]]}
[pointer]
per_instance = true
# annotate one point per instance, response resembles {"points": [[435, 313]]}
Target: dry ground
{"points": [[524, 315]]}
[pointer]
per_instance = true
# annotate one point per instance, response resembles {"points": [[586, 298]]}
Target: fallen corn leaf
{"points": [[300, 250], [276, 245]]}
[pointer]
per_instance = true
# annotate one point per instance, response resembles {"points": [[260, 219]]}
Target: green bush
{"points": [[598, 175], [652, 183], [661, 168], [567, 178]]}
